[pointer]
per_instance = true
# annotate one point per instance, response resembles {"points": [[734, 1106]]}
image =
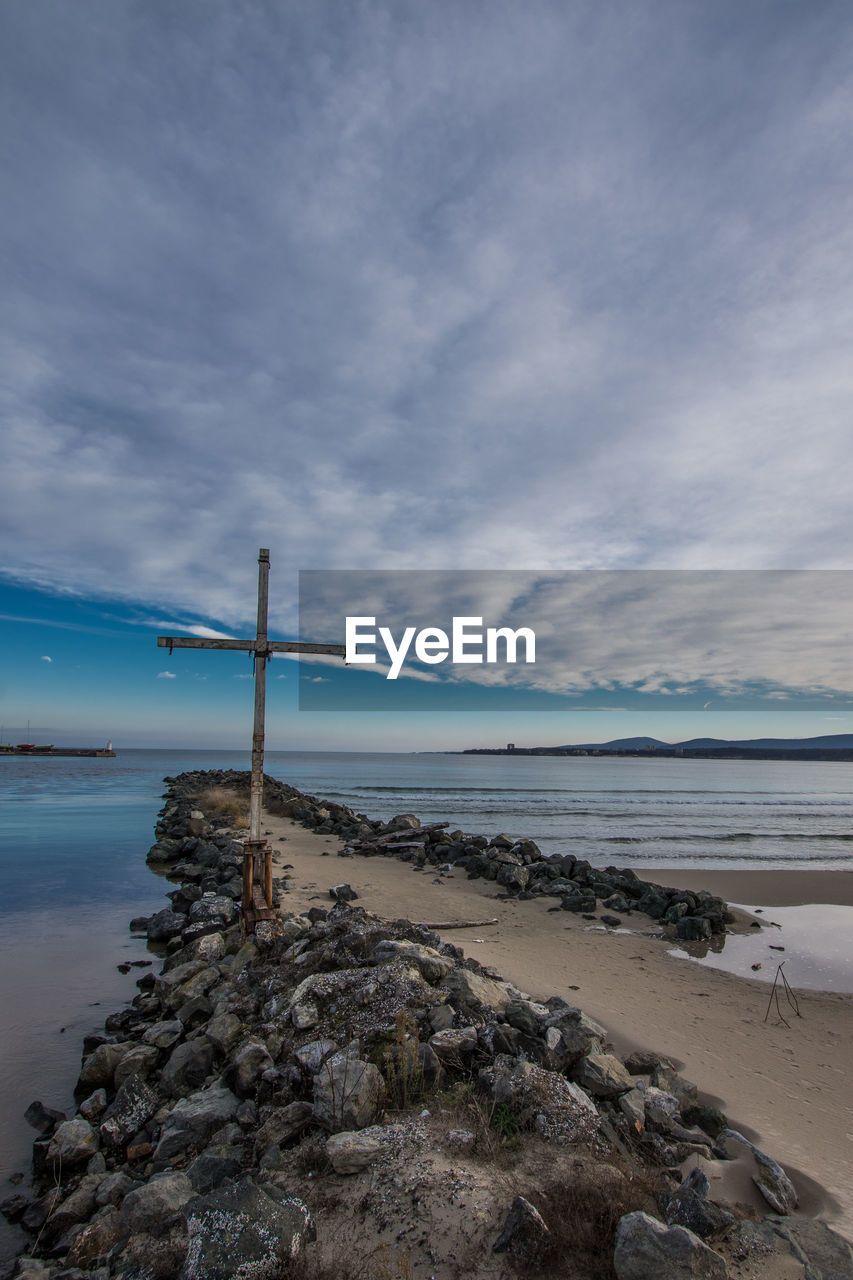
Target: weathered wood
{"points": [[250, 646], [257, 858], [457, 924]]}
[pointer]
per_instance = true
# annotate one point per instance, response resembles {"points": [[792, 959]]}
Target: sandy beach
{"points": [[785, 1086]]}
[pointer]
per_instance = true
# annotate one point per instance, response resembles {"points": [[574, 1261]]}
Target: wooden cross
{"points": [[257, 859]]}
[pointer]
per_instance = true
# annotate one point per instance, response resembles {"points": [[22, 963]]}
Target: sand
{"points": [[787, 1087]]}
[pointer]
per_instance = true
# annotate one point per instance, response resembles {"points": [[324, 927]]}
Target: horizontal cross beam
{"points": [[251, 646]]}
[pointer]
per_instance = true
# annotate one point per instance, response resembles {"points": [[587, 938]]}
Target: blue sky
{"points": [[393, 285]]}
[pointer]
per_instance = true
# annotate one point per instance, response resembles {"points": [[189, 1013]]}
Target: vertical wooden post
{"points": [[257, 794]]}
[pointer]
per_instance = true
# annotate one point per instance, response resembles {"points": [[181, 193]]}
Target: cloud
{"points": [[167, 675], [45, 658], [541, 290]]}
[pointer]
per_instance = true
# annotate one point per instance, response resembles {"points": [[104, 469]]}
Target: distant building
{"points": [[510, 746]]}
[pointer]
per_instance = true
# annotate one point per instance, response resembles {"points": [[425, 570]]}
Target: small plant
{"points": [[221, 802], [402, 1067], [505, 1123]]}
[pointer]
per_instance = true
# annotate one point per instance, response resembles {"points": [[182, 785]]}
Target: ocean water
{"points": [[74, 833]]}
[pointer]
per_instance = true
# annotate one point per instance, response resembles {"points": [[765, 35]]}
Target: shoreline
{"points": [[772, 888], [781, 1086], [785, 1085]]}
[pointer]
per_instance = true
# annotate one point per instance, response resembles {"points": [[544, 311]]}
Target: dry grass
{"points": [[581, 1208], [221, 802]]}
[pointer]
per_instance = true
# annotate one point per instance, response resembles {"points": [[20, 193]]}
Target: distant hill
{"points": [[826, 742]]}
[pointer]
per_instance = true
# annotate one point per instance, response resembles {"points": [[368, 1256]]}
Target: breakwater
{"points": [[381, 1061]]}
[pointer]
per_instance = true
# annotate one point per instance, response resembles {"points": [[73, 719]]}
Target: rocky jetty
{"points": [[346, 1095]]}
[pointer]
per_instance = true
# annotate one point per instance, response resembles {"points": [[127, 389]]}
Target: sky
{"points": [[386, 285]]}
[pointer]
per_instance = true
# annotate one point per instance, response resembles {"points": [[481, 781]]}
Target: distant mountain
{"points": [[826, 742]]}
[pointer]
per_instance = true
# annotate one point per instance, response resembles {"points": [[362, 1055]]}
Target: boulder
{"points": [[43, 1119], [193, 1120], [523, 1232], [343, 893], [130, 1109], [165, 925], [158, 1203], [188, 1067], [433, 966], [603, 1075], [140, 1061], [250, 1062], [346, 1092], [94, 1105], [647, 1250], [241, 1230], [164, 1035], [454, 1043], [690, 1207], [771, 1179], [223, 1031], [467, 990], [216, 1163], [213, 909], [283, 1124], [352, 1152], [312, 1055], [73, 1143], [98, 1068]]}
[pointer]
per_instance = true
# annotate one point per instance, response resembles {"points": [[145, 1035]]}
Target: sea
{"points": [[74, 832]]}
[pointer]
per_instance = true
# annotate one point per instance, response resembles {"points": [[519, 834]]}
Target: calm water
{"points": [[74, 832]]}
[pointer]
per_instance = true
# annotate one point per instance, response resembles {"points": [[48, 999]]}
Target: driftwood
{"points": [[458, 924]]}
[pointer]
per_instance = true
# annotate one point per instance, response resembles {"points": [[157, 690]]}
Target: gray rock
{"points": [[240, 1231], [312, 1055], [188, 1067], [343, 893], [693, 929], [772, 1180], [523, 1232], [468, 990], [305, 1015], [214, 909], [216, 1163], [223, 1031], [140, 1061], [94, 1105], [165, 924], [433, 966], [164, 1035], [690, 1207], [43, 1119], [283, 1124], [822, 1253], [73, 1143], [667, 1078], [603, 1075], [158, 1203], [77, 1207], [130, 1109], [352, 1152], [98, 1068], [346, 1092], [250, 1062], [113, 1188], [647, 1250], [454, 1043], [193, 1121]]}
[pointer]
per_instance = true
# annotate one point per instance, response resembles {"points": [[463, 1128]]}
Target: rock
{"points": [[188, 1067], [693, 929], [772, 1180], [94, 1105], [223, 1031], [77, 1207], [667, 1078], [351, 1152], [213, 909], [283, 1124], [193, 1120], [250, 1062], [454, 1043], [140, 1061], [818, 1249], [131, 1108], [343, 893], [642, 1063], [467, 990], [647, 1250], [72, 1144], [240, 1231], [210, 948], [690, 1207], [525, 1016], [632, 1105], [542, 1100], [157, 1203], [163, 1035], [346, 1092], [463, 1140], [312, 1055], [43, 1119], [214, 1165], [524, 1232], [305, 1015], [98, 1068], [433, 966], [708, 1118], [603, 1075], [93, 1242], [113, 1188], [165, 924]]}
